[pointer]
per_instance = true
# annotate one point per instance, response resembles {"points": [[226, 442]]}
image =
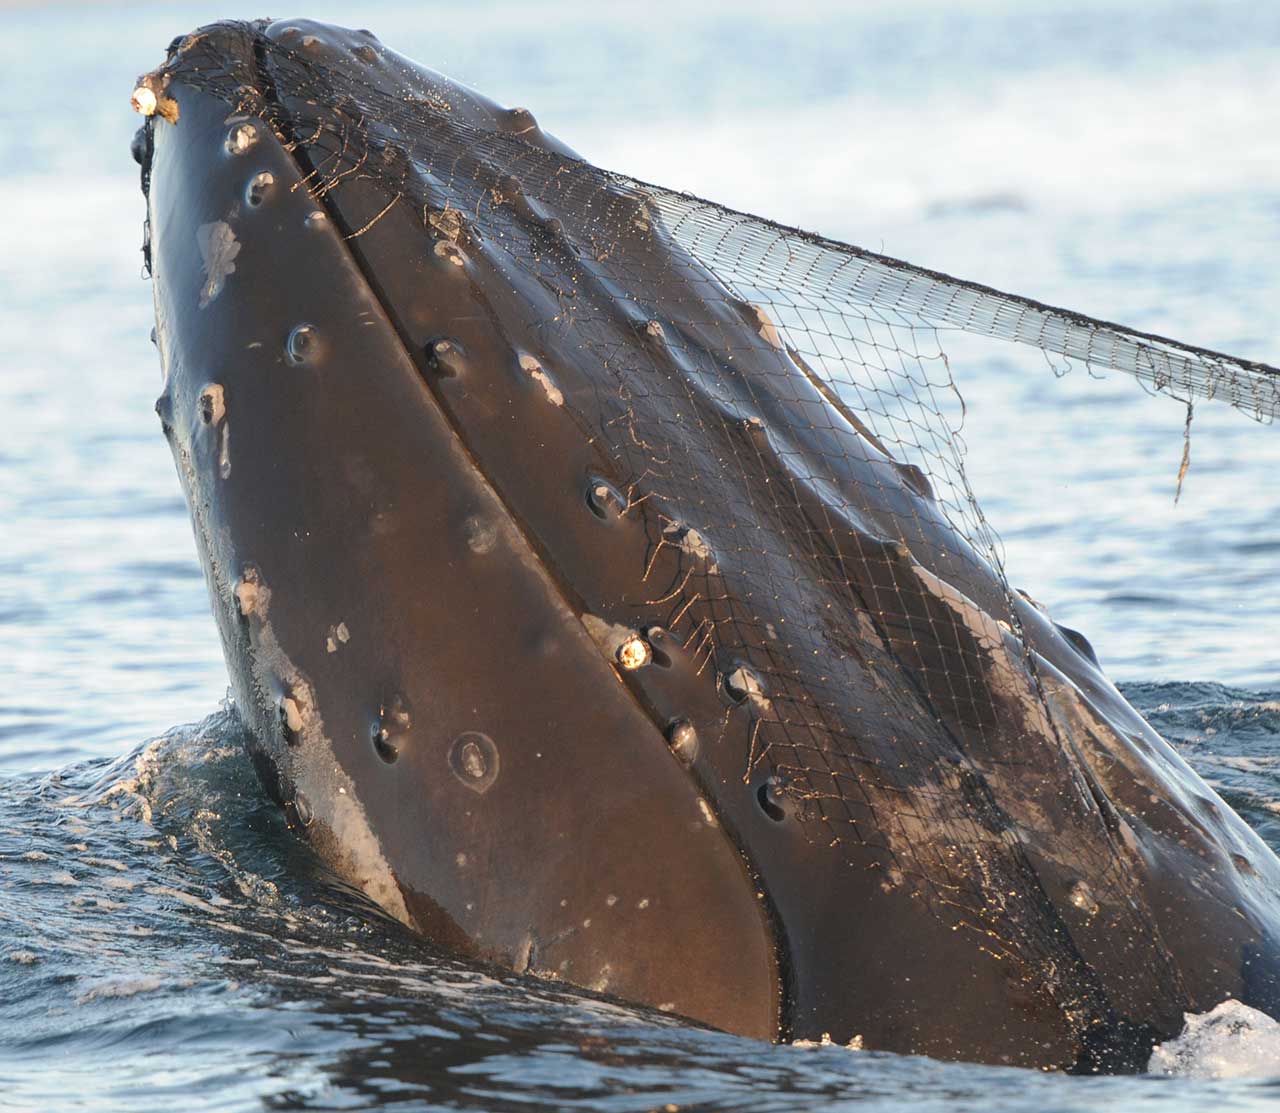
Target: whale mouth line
{"points": [[603, 478]]}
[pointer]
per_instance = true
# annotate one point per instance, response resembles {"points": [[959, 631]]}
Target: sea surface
{"points": [[165, 942]]}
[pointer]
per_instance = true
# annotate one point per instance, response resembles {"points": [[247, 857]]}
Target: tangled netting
{"points": [[780, 406]]}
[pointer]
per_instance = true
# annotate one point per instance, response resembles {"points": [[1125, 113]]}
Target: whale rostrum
{"points": [[597, 572]]}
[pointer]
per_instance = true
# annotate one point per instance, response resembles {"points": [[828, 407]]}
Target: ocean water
{"points": [[164, 940]]}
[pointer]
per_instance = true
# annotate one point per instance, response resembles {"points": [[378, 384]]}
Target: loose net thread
{"points": [[792, 354]]}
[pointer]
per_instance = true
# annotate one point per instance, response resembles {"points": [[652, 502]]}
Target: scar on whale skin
{"points": [[218, 250], [311, 764], [536, 371]]}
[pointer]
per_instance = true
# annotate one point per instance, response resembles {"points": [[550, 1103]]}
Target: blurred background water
{"points": [[164, 941]]}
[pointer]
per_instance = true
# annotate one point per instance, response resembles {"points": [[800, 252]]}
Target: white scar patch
{"points": [[218, 250], [352, 848], [609, 636], [535, 369]]}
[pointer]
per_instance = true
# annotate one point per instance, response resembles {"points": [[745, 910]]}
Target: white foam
{"points": [[854, 1044], [1230, 1041]]}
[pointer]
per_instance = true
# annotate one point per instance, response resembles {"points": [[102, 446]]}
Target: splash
{"points": [[1230, 1041]]}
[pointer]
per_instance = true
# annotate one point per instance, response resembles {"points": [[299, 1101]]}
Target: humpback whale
{"points": [[602, 605]]}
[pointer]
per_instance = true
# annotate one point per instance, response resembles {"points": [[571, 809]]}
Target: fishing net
{"points": [[781, 408]]}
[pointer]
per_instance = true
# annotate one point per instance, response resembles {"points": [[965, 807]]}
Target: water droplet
{"points": [[683, 740], [634, 653], [605, 500], [473, 757], [302, 808], [390, 730], [258, 188], [303, 344], [241, 138], [1082, 897], [315, 220]]}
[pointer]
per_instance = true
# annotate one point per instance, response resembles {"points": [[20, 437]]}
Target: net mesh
{"points": [[780, 408]]}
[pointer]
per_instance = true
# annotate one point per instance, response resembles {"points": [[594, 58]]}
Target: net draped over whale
{"points": [[783, 396]]}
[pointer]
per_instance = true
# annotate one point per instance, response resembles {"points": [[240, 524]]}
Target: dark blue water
{"points": [[165, 942]]}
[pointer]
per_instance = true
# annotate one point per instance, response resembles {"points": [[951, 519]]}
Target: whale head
{"points": [[595, 609]]}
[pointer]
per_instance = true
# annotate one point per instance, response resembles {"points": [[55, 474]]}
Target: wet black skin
{"points": [[439, 563]]}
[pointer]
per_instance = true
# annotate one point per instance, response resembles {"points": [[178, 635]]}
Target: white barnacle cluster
{"points": [[742, 680], [626, 646], [481, 535], [144, 100], [149, 99], [213, 403], [291, 715], [338, 635], [251, 594], [691, 541], [447, 222], [242, 137], [634, 653], [538, 373]]}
